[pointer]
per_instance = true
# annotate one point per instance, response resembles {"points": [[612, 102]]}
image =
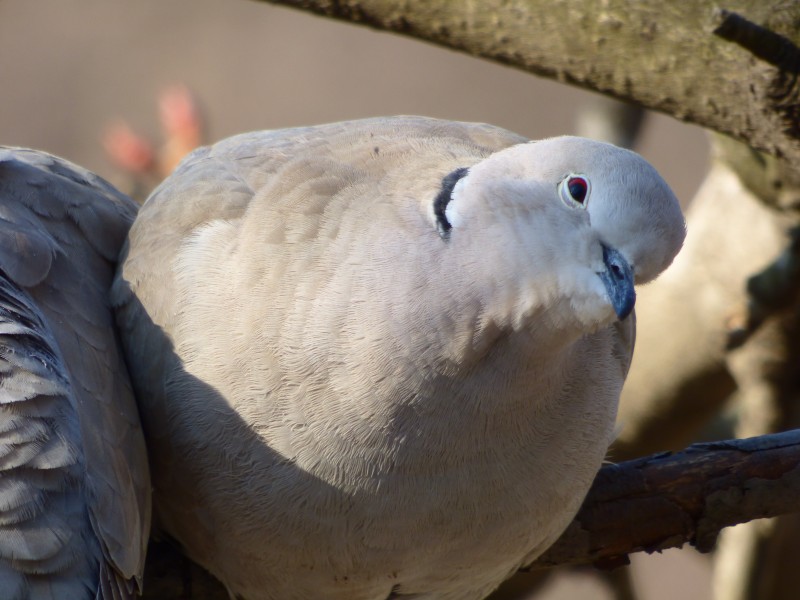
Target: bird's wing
{"points": [[74, 482]]}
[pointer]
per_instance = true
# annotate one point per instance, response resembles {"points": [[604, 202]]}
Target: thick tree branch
{"points": [[664, 501], [687, 59]]}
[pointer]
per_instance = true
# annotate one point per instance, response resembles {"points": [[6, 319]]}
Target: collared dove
{"points": [[381, 359], [74, 481]]}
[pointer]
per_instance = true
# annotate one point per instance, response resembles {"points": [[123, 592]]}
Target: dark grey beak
{"points": [[618, 279]]}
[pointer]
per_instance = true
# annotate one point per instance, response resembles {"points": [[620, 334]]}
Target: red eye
{"points": [[578, 187], [574, 190]]}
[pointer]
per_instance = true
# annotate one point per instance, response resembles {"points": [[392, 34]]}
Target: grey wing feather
{"points": [[74, 483]]}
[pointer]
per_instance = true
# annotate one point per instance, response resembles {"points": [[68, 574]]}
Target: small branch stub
{"points": [[759, 41], [775, 49]]}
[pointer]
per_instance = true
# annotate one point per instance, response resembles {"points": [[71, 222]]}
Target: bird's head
{"points": [[570, 221]]}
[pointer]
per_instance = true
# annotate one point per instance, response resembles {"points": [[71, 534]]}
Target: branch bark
{"points": [[734, 72], [666, 500]]}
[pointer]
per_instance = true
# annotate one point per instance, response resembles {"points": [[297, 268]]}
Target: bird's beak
{"points": [[618, 279]]}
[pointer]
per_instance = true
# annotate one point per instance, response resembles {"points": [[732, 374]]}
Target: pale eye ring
{"points": [[574, 190]]}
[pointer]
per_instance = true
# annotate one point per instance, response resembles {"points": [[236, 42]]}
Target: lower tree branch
{"points": [[666, 500]]}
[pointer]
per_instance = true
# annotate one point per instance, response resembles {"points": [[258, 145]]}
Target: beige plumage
{"points": [[381, 359], [74, 483]]}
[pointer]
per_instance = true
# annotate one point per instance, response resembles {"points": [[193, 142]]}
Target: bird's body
{"points": [[74, 483], [375, 358]]}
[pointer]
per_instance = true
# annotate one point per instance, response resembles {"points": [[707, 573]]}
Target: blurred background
{"points": [[109, 85]]}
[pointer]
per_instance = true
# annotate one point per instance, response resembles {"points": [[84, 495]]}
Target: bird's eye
{"points": [[574, 191]]}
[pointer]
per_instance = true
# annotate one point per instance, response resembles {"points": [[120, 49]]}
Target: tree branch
{"points": [[666, 500], [690, 60]]}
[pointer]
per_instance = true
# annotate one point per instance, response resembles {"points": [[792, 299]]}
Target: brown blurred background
{"points": [[68, 70]]}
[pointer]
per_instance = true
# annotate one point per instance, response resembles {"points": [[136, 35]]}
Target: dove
{"points": [[74, 480], [382, 358]]}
